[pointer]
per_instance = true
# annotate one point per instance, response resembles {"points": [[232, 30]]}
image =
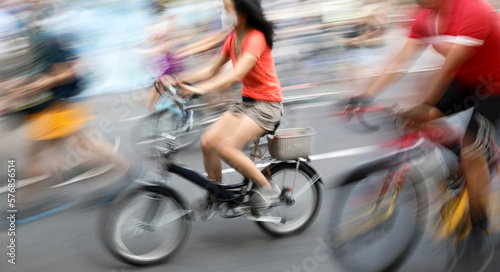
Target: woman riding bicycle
{"points": [[249, 48]]}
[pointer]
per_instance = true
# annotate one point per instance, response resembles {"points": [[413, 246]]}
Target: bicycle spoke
{"points": [[296, 216], [304, 188], [171, 217], [283, 182], [140, 233], [355, 227]]}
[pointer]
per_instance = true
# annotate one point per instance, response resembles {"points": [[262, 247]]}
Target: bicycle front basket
{"points": [[291, 143]]}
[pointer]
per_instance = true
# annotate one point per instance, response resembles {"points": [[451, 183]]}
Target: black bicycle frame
{"points": [[226, 193]]}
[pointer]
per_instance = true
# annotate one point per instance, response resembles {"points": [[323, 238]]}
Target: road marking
{"points": [[345, 153], [285, 99], [134, 118], [298, 87], [87, 175], [324, 156], [310, 96], [312, 105], [26, 182], [116, 146], [98, 171]]}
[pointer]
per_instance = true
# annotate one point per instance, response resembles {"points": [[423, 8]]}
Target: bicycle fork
{"points": [[401, 177], [151, 212]]}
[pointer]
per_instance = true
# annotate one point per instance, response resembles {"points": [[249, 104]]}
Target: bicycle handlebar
{"points": [[438, 131], [360, 111], [172, 92]]}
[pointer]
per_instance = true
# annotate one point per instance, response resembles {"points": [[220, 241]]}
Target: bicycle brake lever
{"points": [[173, 93]]}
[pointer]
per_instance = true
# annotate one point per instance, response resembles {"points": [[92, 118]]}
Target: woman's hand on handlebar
{"points": [[189, 90], [168, 80]]}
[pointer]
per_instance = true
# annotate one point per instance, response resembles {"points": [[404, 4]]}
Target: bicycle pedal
{"points": [[270, 219], [206, 215], [240, 210]]}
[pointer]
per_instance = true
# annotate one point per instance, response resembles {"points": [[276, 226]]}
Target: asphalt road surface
{"points": [[69, 241]]}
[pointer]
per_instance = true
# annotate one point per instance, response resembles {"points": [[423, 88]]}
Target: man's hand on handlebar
{"points": [[356, 102], [416, 116], [362, 100]]}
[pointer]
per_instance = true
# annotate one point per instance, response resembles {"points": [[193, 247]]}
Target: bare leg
{"points": [[212, 139], [477, 177], [37, 174], [100, 153], [475, 167], [152, 99], [230, 150]]}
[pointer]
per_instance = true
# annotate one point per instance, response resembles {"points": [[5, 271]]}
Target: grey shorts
{"points": [[265, 114]]}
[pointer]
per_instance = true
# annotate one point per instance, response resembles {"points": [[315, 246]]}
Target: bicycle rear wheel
{"points": [[364, 236], [146, 226], [304, 189]]}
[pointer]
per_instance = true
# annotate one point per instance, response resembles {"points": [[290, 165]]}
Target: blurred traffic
{"points": [[80, 81]]}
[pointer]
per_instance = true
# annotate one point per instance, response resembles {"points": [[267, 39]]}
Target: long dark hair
{"points": [[255, 18]]}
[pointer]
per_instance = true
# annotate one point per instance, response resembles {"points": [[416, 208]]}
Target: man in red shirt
{"points": [[467, 34]]}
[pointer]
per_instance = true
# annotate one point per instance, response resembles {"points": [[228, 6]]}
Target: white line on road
{"points": [[310, 96], [26, 182], [134, 118], [312, 105], [345, 152], [116, 146], [89, 174], [317, 157], [288, 99], [325, 156]]}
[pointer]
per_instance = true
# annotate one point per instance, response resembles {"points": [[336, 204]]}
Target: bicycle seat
{"points": [[272, 132]]}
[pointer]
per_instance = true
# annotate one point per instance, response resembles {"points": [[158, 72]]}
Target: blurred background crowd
{"points": [[119, 47], [317, 41]]}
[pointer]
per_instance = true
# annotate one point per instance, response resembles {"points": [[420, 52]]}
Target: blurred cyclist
{"points": [[54, 123], [249, 48], [467, 34], [174, 53]]}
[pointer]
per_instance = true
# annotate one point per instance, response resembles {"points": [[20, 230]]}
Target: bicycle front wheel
{"points": [[374, 231], [146, 226], [154, 135], [304, 189]]}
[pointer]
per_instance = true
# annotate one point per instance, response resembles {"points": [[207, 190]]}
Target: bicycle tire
{"points": [[279, 229], [362, 237], [149, 136], [110, 225]]}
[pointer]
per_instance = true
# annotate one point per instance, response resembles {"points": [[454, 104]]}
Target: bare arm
{"points": [[412, 49], [57, 75], [211, 42], [205, 74], [245, 64], [7, 86], [456, 58]]}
